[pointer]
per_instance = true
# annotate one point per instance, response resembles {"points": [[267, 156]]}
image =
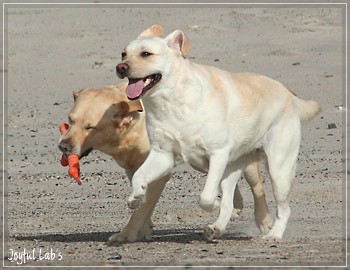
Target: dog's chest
{"points": [[187, 146], [178, 127]]}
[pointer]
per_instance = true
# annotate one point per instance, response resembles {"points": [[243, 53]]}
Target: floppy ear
{"points": [[76, 94], [293, 92], [178, 41], [123, 115], [154, 31]]}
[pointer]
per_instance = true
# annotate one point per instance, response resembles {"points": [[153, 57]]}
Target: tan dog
{"points": [[105, 120], [214, 120]]}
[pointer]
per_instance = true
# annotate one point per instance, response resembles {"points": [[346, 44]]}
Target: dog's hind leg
{"points": [[228, 185], [263, 217], [140, 225], [282, 152], [237, 204]]}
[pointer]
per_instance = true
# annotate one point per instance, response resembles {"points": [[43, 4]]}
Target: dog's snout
{"points": [[122, 70], [65, 146]]}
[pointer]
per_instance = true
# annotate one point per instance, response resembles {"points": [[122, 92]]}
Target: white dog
{"points": [[214, 120]]}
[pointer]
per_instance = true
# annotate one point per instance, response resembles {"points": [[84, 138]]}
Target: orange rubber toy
{"points": [[73, 160]]}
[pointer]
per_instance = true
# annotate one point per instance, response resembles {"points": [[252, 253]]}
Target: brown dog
{"points": [[105, 120]]}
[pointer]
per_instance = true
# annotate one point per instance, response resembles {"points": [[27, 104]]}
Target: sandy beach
{"points": [[54, 50]]}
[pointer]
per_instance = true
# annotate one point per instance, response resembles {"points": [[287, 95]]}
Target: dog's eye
{"points": [[89, 127], [70, 119], [145, 54], [123, 55]]}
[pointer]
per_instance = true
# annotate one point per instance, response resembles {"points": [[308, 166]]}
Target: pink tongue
{"points": [[134, 88]]}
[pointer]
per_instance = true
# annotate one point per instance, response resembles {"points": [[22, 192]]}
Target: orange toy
{"points": [[74, 168], [73, 160], [63, 129]]}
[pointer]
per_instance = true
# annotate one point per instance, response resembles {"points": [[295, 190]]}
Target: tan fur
{"points": [[116, 131], [154, 31]]}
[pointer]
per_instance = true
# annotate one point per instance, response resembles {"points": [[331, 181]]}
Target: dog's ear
{"points": [[177, 40], [123, 115], [76, 94], [154, 31], [294, 93]]}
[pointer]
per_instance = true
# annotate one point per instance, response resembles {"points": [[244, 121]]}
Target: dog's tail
{"points": [[307, 109]]}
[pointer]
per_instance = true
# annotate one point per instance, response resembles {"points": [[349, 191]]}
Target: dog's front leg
{"points": [[157, 165], [217, 165], [139, 226]]}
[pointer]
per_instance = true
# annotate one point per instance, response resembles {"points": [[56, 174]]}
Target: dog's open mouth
{"points": [[84, 154], [137, 87]]}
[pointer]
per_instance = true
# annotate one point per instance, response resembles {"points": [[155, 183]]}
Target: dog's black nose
{"points": [[65, 146], [122, 70]]}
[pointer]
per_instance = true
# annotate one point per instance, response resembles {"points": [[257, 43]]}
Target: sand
{"points": [[54, 50]]}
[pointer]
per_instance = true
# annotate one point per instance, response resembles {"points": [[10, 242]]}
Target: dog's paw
{"points": [[137, 197], [212, 232], [264, 223], [236, 214], [132, 235], [135, 201], [128, 236], [274, 234], [122, 237]]}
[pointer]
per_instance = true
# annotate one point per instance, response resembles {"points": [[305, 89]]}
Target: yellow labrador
{"points": [[104, 119], [215, 120]]}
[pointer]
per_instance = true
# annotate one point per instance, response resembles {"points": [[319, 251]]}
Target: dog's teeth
{"points": [[148, 81]]}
